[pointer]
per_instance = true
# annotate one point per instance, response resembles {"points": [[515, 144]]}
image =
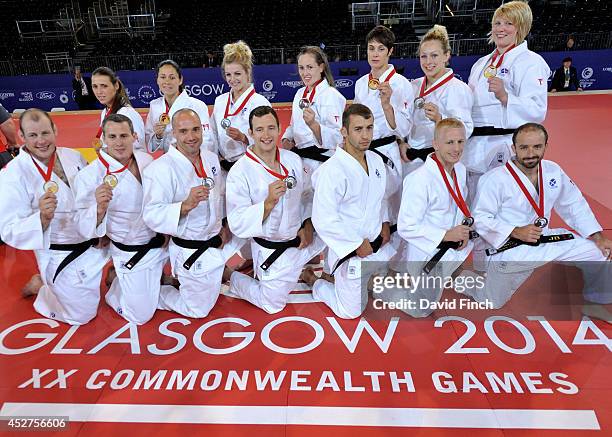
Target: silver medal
{"points": [[208, 182], [225, 123], [290, 182], [467, 221], [419, 102], [304, 103], [541, 222]]}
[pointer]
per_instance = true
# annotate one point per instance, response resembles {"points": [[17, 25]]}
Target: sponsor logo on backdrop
{"points": [[4, 96], [205, 89], [146, 93], [608, 69], [344, 83], [267, 85], [292, 83], [587, 76], [587, 73], [45, 95], [26, 96], [64, 97], [127, 91]]}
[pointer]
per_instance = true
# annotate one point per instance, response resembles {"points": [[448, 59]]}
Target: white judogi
{"points": [[453, 99], [328, 105], [139, 127], [402, 101], [349, 206], [247, 190], [501, 206], [167, 182], [157, 107], [427, 212], [525, 75], [229, 149], [74, 295], [134, 293]]}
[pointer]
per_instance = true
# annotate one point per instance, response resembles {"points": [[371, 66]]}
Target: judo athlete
{"points": [[269, 201], [184, 196]]}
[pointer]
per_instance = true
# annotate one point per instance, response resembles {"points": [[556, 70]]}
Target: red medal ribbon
{"points": [[240, 108], [501, 58], [436, 85], [387, 79], [107, 165], [46, 175], [167, 107], [539, 209], [202, 173], [312, 93], [272, 172], [99, 134], [456, 195]]}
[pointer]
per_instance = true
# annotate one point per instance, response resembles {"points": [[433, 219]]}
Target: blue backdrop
{"points": [[277, 82]]}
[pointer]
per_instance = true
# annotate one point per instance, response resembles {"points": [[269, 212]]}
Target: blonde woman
{"points": [[438, 95], [231, 111], [510, 89]]}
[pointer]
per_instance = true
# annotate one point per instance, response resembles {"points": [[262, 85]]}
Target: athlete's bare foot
{"points": [[308, 276], [110, 276], [32, 287]]}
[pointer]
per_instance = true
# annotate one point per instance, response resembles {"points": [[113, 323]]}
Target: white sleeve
{"points": [[289, 131], [487, 204], [20, 225], [528, 102], [84, 190], [139, 129], [402, 102], [160, 213], [214, 133], [245, 218], [458, 104], [331, 119], [573, 208], [208, 141], [307, 194], [329, 189], [411, 223]]}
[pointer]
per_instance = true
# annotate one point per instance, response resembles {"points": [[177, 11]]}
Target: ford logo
{"points": [[344, 83], [45, 95]]}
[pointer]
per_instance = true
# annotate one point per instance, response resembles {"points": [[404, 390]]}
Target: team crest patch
{"points": [[500, 157], [214, 170], [552, 183], [377, 173], [504, 71]]}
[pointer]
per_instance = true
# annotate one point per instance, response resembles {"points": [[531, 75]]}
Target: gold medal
{"points": [[373, 84], [111, 180], [164, 119], [490, 71], [51, 187]]}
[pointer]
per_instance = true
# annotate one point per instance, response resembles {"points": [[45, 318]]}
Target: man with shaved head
{"points": [[184, 197]]}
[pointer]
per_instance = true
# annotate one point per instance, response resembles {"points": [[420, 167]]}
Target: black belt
{"points": [[279, 248], [514, 242], [444, 247], [383, 142], [226, 165], [419, 153], [141, 249], [376, 244], [485, 131], [76, 250], [201, 246], [312, 152]]}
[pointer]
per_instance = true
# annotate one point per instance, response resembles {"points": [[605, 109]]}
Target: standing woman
{"points": [[230, 119], [316, 115], [438, 95], [174, 97], [110, 92], [510, 89]]}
